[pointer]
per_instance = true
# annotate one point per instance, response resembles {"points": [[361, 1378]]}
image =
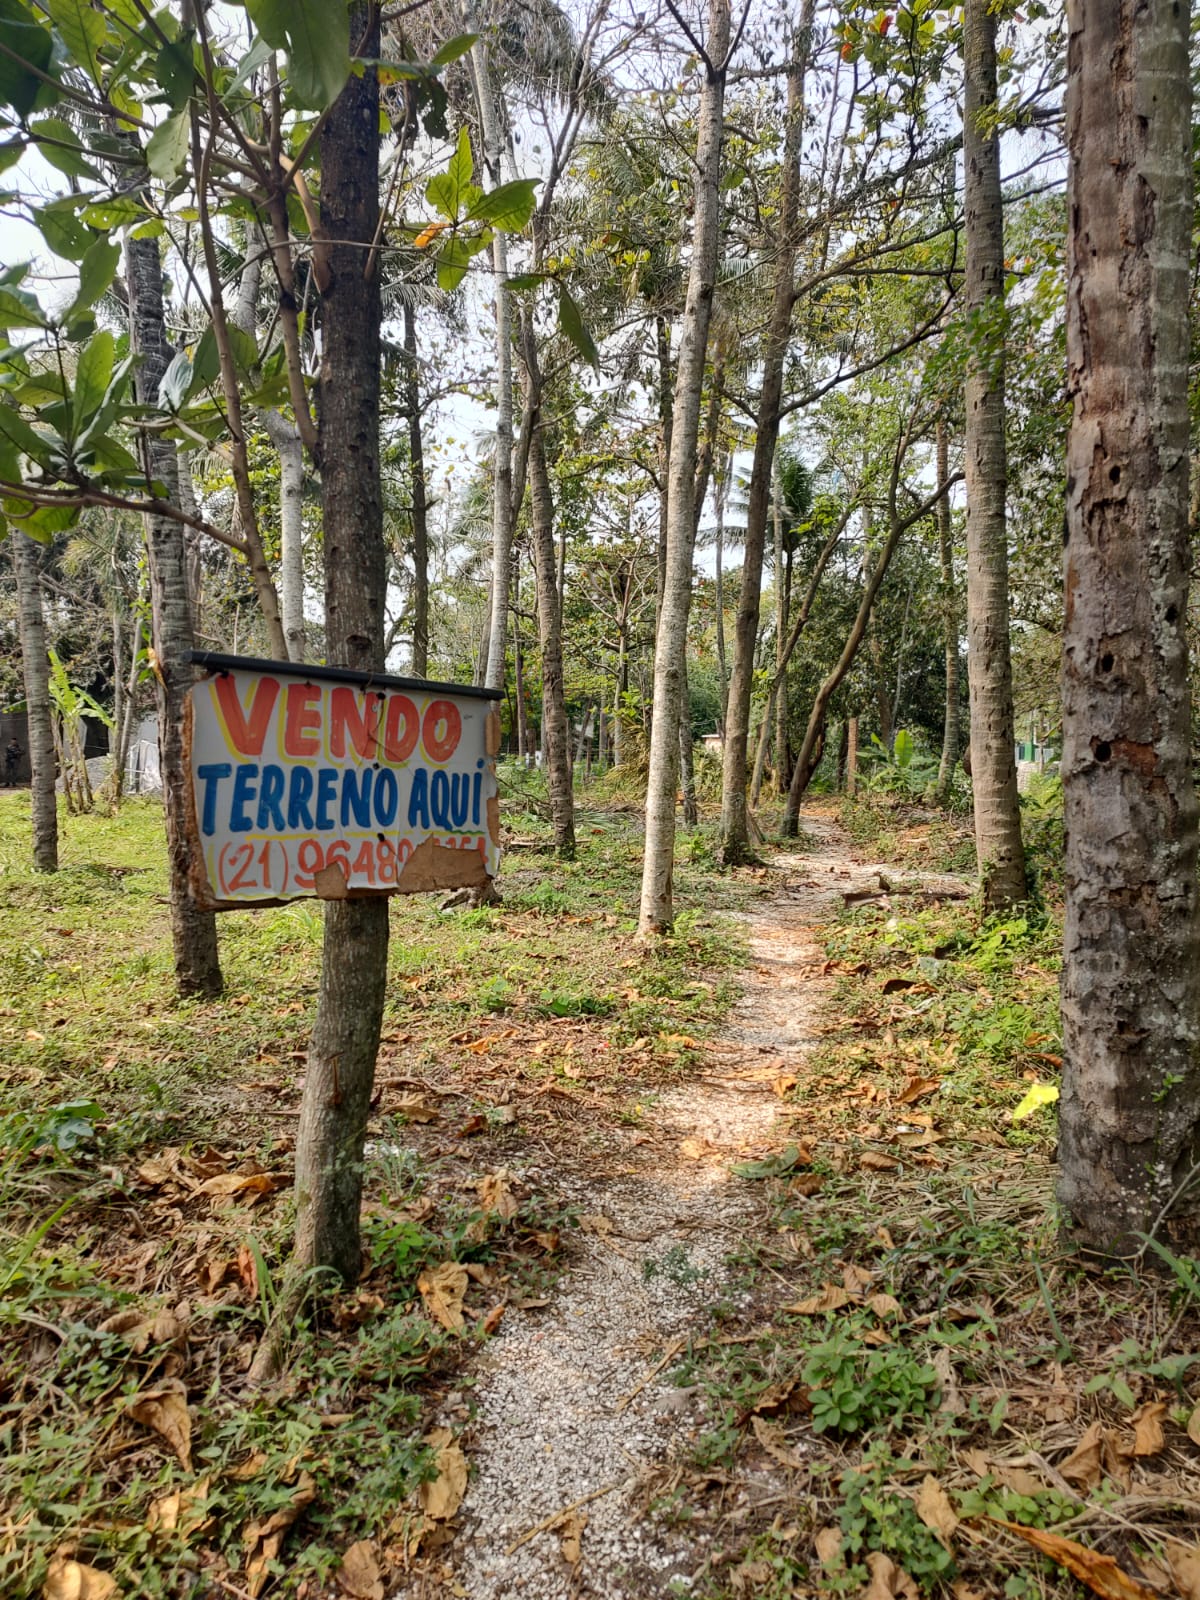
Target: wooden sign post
{"points": [[318, 781]]}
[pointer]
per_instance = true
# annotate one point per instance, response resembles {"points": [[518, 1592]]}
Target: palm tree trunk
{"points": [[670, 662], [989, 667], [193, 932], [35, 664]]}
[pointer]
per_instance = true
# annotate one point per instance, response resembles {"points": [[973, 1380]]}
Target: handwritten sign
{"points": [[309, 782]]}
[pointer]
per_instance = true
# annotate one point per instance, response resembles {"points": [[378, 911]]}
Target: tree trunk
{"points": [[286, 438], [420, 514], [735, 837], [687, 755], [657, 908], [35, 664], [345, 1039], [524, 740], [782, 773], [193, 932], [989, 668], [720, 492], [502, 487], [949, 621], [556, 751], [1129, 1124]]}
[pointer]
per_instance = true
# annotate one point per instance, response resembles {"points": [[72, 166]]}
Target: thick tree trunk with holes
{"points": [[35, 665], [1129, 1146], [193, 932], [949, 620], [993, 763], [345, 1038], [657, 907], [735, 836]]}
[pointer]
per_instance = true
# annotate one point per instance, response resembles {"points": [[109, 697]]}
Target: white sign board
{"points": [[337, 785]]}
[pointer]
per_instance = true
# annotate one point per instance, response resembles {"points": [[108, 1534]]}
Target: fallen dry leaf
{"points": [[831, 1298], [593, 1222], [413, 1108], [1100, 1573], [808, 1184], [828, 1544], [492, 1321], [71, 1580], [695, 1149], [1184, 1562], [571, 1541], [856, 1279], [441, 1497], [872, 1161], [1098, 1455], [774, 1441], [132, 1325], [935, 1510], [442, 1289], [359, 1573], [888, 1581], [164, 1409], [1193, 1427], [915, 1089], [263, 1541], [248, 1185], [1148, 1435], [549, 1240], [495, 1195], [181, 1511], [884, 1305]]}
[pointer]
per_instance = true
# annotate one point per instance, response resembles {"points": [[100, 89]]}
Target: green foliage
{"points": [[856, 1386], [874, 1515]]}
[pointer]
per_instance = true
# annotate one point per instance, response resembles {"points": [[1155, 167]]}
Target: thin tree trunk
{"points": [[720, 492], [735, 836], [123, 733], [670, 662], [780, 701], [949, 621], [288, 446], [556, 752], [35, 664], [1129, 1122], [662, 334], [989, 667], [687, 755], [193, 932], [524, 740], [502, 487], [420, 513], [345, 1038]]}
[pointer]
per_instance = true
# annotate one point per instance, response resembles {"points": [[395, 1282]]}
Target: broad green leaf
{"points": [[525, 280], [245, 350], [109, 214], [462, 165], [452, 263], [41, 522], [257, 56], [453, 49], [96, 273], [206, 364], [175, 70], [787, 1160], [11, 153], [93, 375], [507, 208], [570, 322], [29, 42], [903, 748], [17, 431], [167, 147], [19, 310], [83, 33], [175, 383], [316, 36], [1042, 1094], [52, 134]]}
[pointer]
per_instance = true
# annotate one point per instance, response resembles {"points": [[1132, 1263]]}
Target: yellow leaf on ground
{"points": [[442, 1289], [495, 1194], [695, 1149], [71, 1580], [441, 1498], [1148, 1435], [1042, 1094], [359, 1573], [935, 1510], [1100, 1573], [164, 1408], [227, 1184], [181, 1511]]}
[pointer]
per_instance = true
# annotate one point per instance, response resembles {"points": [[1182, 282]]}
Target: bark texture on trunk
{"points": [[193, 932], [735, 837], [949, 620], [420, 512], [1129, 1120], [35, 666], [285, 436], [657, 908], [989, 667], [556, 747], [345, 1039]]}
